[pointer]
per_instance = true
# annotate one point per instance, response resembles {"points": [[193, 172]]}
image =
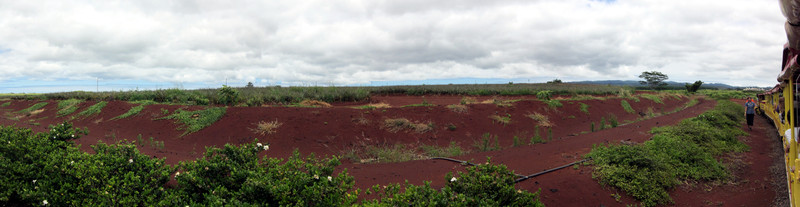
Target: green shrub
{"points": [[5, 104], [193, 121], [543, 95], [235, 176], [482, 185], [612, 119], [682, 152], [228, 95]]}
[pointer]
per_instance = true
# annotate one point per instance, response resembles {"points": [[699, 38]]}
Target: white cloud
{"points": [[356, 42]]}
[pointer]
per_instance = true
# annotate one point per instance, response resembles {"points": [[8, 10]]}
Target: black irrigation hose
{"points": [[550, 170], [522, 177]]}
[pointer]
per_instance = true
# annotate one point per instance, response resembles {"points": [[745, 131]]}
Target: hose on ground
{"points": [[522, 177]]}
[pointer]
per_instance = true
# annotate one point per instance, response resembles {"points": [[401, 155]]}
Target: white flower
{"points": [[71, 162], [177, 173], [453, 179], [258, 144], [130, 160], [34, 181], [73, 136], [266, 147], [329, 178], [316, 177], [44, 202]]}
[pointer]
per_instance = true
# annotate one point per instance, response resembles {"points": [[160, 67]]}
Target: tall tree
{"points": [[653, 79], [693, 87]]}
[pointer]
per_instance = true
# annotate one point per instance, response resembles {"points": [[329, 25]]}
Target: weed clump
{"points": [[541, 119], [400, 124], [458, 108], [627, 106], [264, 128]]}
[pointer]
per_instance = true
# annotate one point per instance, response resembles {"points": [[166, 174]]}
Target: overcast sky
{"points": [[125, 44]]}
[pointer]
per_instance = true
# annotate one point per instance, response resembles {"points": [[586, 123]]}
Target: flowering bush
{"points": [[65, 132], [37, 169], [481, 185], [234, 176]]}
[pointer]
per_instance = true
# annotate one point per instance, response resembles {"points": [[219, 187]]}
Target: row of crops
{"points": [[252, 96]]}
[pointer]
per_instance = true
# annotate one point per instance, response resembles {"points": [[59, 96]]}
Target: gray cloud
{"points": [[355, 42]]}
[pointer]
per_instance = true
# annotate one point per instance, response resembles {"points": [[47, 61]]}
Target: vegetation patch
{"points": [[584, 108], [627, 107], [133, 111], [264, 128], [505, 120], [400, 124], [652, 97], [30, 109], [541, 119], [481, 185], [193, 121], [5, 104], [315, 103], [487, 143], [66, 107], [37, 166], [458, 108], [674, 154], [468, 100], [451, 150], [424, 103], [374, 106], [554, 103], [92, 110]]}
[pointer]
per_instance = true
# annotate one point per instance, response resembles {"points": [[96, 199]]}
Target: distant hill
{"points": [[670, 84]]}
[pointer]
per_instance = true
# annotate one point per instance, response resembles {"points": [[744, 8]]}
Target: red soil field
{"points": [[331, 131]]}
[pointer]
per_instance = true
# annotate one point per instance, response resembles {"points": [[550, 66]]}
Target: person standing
{"points": [[750, 112]]}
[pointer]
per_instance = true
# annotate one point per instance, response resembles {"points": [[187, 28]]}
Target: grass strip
{"points": [[94, 109], [66, 107], [35, 107]]}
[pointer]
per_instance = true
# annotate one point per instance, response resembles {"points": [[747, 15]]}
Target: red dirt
{"points": [[330, 131]]}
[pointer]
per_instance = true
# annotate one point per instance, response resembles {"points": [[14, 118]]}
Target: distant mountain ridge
{"points": [[671, 84]]}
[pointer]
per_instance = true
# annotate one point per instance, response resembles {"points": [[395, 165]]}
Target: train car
{"points": [[779, 104]]}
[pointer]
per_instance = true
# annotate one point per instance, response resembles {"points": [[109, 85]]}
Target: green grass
{"points": [[66, 107], [486, 144], [92, 110], [674, 155], [193, 121], [450, 151], [627, 106], [654, 98], [133, 111], [35, 107], [5, 104], [418, 105], [554, 103], [584, 108]]}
